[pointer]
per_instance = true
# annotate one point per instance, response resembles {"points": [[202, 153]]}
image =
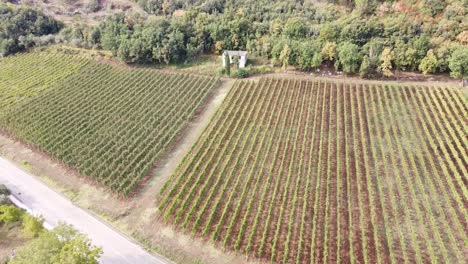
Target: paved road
{"points": [[55, 208]]}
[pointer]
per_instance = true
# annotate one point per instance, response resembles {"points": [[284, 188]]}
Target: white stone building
{"points": [[241, 55]]}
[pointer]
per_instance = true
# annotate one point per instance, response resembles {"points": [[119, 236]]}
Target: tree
{"points": [[61, 245], [421, 45], [10, 214], [386, 62], [18, 27], [329, 32], [364, 6], [329, 51], [349, 57], [310, 55], [32, 226], [78, 250], [285, 56], [295, 28], [458, 62], [429, 63], [39, 250], [365, 69], [227, 64], [406, 57]]}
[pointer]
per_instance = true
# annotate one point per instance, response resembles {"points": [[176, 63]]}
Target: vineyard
{"points": [[25, 76], [109, 123], [299, 171]]}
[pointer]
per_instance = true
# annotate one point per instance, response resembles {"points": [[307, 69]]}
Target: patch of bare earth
{"points": [[136, 217]]}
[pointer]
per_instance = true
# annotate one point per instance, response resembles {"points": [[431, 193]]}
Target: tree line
{"points": [[20, 26], [367, 37]]}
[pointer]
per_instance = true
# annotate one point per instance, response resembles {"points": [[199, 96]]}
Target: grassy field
{"points": [[299, 171], [110, 123]]}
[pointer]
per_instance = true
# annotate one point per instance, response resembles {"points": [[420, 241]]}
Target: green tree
{"points": [[386, 62], [349, 57], [329, 51], [61, 245], [77, 251], [406, 57], [429, 63], [310, 55], [40, 250], [227, 64], [285, 56], [295, 28], [32, 226], [365, 69], [458, 62], [329, 32], [10, 214], [363, 6]]}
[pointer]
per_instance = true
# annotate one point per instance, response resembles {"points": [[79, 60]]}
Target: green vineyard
{"points": [[25, 76], [297, 171], [110, 123]]}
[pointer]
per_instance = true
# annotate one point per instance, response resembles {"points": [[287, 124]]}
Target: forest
{"points": [[371, 38]]}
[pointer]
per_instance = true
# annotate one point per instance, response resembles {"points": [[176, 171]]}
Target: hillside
{"points": [[370, 38], [89, 12]]}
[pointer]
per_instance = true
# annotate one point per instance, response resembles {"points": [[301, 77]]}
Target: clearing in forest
{"points": [[110, 123], [298, 171]]}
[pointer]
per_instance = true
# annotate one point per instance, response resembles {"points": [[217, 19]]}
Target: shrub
{"points": [[4, 200], [32, 226], [458, 62], [242, 73], [429, 63], [4, 190], [10, 214], [386, 58], [365, 69], [349, 57]]}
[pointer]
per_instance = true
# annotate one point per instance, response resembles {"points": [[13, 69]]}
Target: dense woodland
{"points": [[19, 27], [367, 37]]}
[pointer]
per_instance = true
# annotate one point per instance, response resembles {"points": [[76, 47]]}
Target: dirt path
{"points": [[188, 138], [138, 216]]}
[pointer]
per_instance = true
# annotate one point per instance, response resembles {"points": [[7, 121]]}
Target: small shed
{"points": [[239, 54]]}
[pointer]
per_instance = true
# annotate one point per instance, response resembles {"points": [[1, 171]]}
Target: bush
{"points": [[221, 70], [10, 214], [458, 62], [4, 200], [349, 57], [20, 26], [365, 69], [261, 70], [429, 63], [243, 73], [4, 190], [32, 226]]}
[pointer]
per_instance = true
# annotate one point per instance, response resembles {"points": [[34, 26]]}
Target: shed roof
{"points": [[236, 52]]}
